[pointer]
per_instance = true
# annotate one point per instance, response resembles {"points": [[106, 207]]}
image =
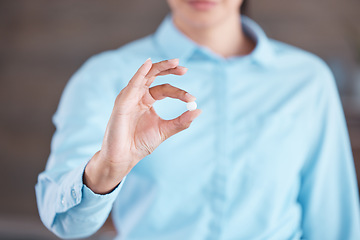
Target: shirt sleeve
{"points": [[67, 207], [329, 193]]}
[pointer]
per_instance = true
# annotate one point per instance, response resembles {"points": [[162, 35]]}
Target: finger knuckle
{"points": [[166, 86], [182, 125], [187, 125], [118, 99], [181, 92]]}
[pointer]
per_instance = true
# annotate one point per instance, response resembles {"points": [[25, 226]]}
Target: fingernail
{"points": [[199, 112], [149, 59], [185, 68], [175, 60], [188, 95], [196, 115]]}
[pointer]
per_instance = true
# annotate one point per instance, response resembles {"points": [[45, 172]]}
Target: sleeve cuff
{"points": [[74, 192], [89, 198]]}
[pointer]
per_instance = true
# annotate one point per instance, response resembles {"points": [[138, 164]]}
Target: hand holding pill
{"points": [[134, 129]]}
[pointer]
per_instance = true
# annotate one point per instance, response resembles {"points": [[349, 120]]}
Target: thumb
{"points": [[171, 127]]}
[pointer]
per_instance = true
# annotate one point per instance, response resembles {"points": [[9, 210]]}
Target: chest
{"points": [[253, 124]]}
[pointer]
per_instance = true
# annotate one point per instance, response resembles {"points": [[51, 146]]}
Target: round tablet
{"points": [[191, 106]]}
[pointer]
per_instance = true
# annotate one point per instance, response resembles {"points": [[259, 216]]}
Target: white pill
{"points": [[191, 106]]}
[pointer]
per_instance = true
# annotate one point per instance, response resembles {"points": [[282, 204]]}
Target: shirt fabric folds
{"points": [[269, 157]]}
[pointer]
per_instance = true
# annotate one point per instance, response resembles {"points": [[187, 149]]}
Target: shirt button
{"points": [[62, 200], [73, 193]]}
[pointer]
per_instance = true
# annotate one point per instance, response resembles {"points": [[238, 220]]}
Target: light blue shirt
{"points": [[269, 157]]}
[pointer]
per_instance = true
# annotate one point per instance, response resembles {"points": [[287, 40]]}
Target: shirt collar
{"points": [[175, 44], [263, 52], [172, 42]]}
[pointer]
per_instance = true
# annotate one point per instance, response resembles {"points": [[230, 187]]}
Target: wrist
{"points": [[100, 177]]}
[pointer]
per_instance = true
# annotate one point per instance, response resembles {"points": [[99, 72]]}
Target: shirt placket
{"points": [[219, 181]]}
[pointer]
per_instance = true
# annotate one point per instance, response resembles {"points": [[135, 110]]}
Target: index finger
{"points": [[158, 68], [139, 78]]}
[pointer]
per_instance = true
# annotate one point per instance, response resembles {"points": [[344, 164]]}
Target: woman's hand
{"points": [[134, 129]]}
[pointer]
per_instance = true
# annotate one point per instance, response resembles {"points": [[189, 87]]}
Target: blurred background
{"points": [[42, 43]]}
